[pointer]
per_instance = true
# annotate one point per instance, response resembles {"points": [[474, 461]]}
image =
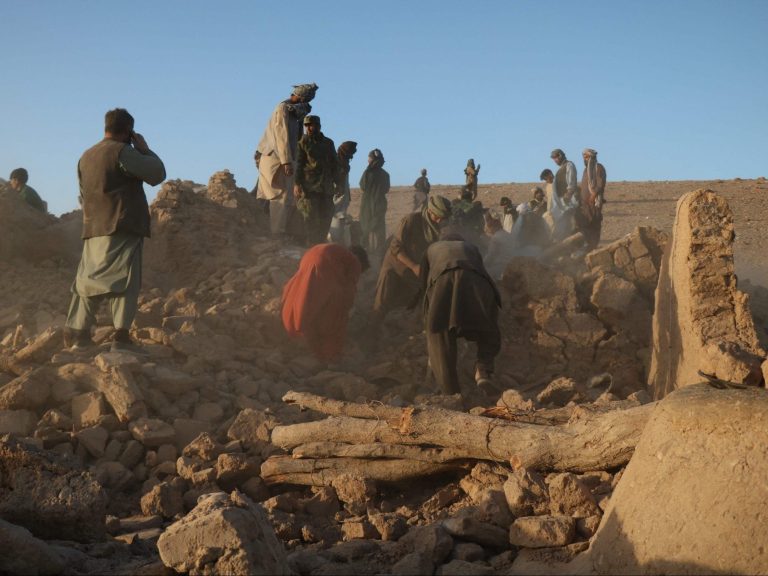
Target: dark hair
{"points": [[361, 255], [118, 121], [505, 201], [20, 174], [546, 172]]}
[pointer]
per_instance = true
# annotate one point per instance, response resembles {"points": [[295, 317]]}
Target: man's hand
{"points": [[297, 191], [139, 143], [288, 169]]}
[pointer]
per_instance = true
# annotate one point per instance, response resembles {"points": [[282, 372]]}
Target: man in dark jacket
{"points": [[317, 170], [115, 223], [460, 301]]}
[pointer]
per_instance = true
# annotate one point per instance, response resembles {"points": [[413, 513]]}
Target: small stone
{"points": [[542, 531], [152, 432]]}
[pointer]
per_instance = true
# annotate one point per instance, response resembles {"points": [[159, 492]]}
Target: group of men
{"points": [[426, 260]]}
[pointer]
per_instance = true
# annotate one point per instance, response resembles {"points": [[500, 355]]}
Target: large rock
{"points": [[701, 321], [223, 534], [47, 495], [692, 499], [22, 553]]}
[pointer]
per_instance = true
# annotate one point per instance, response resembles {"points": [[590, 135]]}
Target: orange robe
{"points": [[318, 298]]}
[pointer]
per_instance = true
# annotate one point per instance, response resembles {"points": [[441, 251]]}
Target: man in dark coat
{"points": [[115, 222], [460, 301]]}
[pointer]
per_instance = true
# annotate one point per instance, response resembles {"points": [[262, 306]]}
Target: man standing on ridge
{"points": [[18, 183], [317, 170], [421, 194], [589, 218], [566, 179], [115, 222], [276, 156]]}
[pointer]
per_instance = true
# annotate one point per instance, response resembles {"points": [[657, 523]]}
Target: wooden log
{"points": [[592, 441], [371, 410], [322, 472], [375, 451], [564, 247]]}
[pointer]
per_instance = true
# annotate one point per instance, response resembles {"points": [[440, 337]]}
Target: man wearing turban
{"points": [[276, 155], [589, 217], [398, 283]]}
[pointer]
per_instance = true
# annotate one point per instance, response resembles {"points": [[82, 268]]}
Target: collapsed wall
{"points": [[199, 230], [702, 321]]}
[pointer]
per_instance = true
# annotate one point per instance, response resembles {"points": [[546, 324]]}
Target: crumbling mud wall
{"points": [[199, 230], [702, 321]]}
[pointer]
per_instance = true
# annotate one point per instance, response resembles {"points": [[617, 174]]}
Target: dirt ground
{"points": [[631, 204]]}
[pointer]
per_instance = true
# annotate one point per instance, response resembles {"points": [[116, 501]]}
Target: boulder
{"points": [[692, 499], [542, 531], [223, 534], [22, 553], [47, 494]]}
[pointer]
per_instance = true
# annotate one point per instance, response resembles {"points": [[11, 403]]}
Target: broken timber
{"points": [[387, 443]]}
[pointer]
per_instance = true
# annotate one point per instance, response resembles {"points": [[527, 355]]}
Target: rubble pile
{"points": [[230, 449]]}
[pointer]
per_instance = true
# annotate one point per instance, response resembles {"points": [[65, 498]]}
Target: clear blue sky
{"points": [[664, 90]]}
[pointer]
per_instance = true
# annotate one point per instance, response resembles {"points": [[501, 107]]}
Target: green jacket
{"points": [[317, 164], [32, 198]]}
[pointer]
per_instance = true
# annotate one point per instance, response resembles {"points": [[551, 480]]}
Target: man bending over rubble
{"points": [[460, 301], [318, 298], [115, 223]]}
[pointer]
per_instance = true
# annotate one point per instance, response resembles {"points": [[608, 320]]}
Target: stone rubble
{"points": [[111, 459]]}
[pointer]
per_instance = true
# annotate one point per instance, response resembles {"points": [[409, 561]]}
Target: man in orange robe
{"points": [[318, 298]]}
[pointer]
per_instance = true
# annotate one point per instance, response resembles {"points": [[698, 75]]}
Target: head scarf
{"points": [[305, 91], [378, 158], [439, 206], [590, 172], [348, 148]]}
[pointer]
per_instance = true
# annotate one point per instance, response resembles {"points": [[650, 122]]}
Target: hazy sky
{"points": [[664, 90]]}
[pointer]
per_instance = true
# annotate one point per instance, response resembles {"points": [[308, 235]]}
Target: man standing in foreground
{"points": [[276, 155], [318, 298], [317, 171], [460, 301], [589, 218], [115, 223]]}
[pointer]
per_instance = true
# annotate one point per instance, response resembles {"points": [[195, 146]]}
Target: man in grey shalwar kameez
{"points": [[115, 222]]}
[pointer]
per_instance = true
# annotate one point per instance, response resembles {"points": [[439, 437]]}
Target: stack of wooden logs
{"points": [[390, 444]]}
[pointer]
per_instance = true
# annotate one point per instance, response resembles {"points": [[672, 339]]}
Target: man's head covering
{"points": [[305, 91], [505, 201], [311, 119], [423, 171], [20, 174], [557, 153], [591, 152], [376, 154], [439, 206], [348, 148]]}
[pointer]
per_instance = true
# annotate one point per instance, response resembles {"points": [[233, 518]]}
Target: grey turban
{"points": [[305, 91]]}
